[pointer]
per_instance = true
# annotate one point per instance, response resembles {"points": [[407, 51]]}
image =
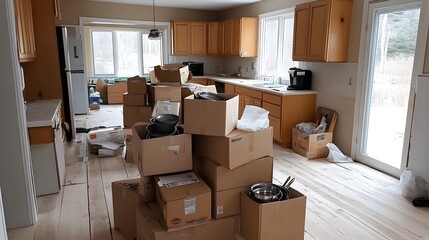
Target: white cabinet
{"points": [[46, 145]]}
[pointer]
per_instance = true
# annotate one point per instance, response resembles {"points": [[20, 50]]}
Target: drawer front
{"points": [[275, 123], [248, 92], [275, 110], [257, 102], [274, 99]]}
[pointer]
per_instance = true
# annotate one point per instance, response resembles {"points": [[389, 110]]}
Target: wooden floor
{"points": [[344, 201]]}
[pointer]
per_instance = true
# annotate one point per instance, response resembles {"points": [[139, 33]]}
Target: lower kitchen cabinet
{"points": [[285, 110], [46, 145]]}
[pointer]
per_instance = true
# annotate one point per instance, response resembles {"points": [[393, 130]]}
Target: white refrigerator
{"points": [[418, 160]]}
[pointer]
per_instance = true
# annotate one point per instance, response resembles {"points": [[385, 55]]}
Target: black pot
{"points": [[166, 119], [153, 132]]}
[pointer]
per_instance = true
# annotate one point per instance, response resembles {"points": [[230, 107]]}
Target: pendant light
{"points": [[154, 34]]}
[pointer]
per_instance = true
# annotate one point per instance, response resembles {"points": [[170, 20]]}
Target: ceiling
{"points": [[190, 4]]}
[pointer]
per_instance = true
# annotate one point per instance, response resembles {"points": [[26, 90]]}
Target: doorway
{"points": [[389, 56]]}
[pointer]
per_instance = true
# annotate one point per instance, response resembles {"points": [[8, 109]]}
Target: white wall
{"points": [[3, 232], [15, 163]]}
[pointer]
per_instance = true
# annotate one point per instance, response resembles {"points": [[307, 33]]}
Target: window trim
{"points": [[280, 14], [122, 24]]}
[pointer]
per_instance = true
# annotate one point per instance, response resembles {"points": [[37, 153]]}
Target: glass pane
{"points": [[152, 53], [270, 47], [102, 48], [128, 59], [287, 49], [392, 64]]}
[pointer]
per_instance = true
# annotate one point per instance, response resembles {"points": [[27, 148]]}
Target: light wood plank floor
{"points": [[344, 201]]}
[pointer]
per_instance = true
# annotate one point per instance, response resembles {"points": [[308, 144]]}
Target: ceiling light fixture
{"points": [[154, 34]]}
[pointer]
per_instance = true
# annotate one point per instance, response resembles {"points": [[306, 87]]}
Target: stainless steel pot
{"points": [[266, 191]]}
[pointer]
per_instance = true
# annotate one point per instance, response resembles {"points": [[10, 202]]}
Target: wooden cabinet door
{"points": [[300, 35], [198, 38], [25, 31], [249, 37], [213, 38], [275, 123], [228, 29], [221, 39], [181, 38], [243, 102], [318, 27], [230, 89], [236, 37]]}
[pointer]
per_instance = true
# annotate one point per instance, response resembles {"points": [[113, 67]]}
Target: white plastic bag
{"points": [[412, 186], [253, 119], [336, 156]]}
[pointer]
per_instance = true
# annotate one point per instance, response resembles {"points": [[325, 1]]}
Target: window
{"points": [[276, 44], [124, 53]]}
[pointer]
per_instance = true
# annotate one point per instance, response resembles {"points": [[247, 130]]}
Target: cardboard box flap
{"points": [[331, 117], [183, 191], [128, 184]]}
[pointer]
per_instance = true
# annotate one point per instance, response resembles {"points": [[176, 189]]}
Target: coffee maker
{"points": [[299, 79]]}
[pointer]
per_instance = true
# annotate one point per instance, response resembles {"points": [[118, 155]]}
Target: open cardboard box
{"points": [[314, 146], [211, 118], [161, 155], [176, 74], [276, 220]]}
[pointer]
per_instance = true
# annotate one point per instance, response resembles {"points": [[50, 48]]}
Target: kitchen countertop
{"points": [[41, 113], [258, 85]]}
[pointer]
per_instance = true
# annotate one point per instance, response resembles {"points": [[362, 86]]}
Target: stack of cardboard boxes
{"points": [[136, 108], [194, 185]]}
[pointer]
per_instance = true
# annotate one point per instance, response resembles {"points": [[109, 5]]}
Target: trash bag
{"points": [[253, 119], [413, 186], [336, 156]]}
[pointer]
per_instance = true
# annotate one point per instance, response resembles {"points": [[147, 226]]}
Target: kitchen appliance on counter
{"points": [[197, 68], [299, 79]]}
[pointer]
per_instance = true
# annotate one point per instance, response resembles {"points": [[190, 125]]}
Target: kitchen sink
{"points": [[268, 85]]}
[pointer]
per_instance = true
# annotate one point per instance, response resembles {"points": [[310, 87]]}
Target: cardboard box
{"points": [[311, 146], [147, 189], [125, 196], [212, 118], [177, 75], [221, 178], [276, 220], [149, 227], [94, 106], [110, 134], [314, 146], [161, 155], [115, 92], [184, 199], [134, 99], [115, 98], [235, 149], [226, 184], [137, 85], [133, 114], [164, 93]]}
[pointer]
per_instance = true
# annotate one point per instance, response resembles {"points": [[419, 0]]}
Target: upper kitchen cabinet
{"points": [[189, 38], [241, 37], [322, 30], [215, 37], [25, 30]]}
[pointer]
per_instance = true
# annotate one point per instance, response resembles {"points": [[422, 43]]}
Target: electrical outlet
{"points": [[349, 81]]}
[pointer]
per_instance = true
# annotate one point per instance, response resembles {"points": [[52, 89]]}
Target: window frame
{"points": [[281, 15], [114, 31]]}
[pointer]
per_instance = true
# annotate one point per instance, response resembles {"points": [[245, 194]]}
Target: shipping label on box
{"points": [[183, 202], [275, 220], [161, 155], [211, 118], [235, 149]]}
